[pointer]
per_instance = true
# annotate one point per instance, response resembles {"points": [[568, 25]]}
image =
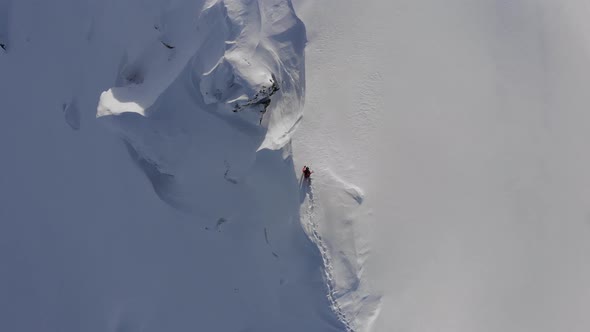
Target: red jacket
{"points": [[306, 173]]}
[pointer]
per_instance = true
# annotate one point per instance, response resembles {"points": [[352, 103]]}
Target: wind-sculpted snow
{"points": [[200, 103], [243, 59], [202, 98], [207, 94]]}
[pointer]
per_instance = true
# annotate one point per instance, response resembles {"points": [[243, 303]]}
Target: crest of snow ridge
{"points": [[244, 61], [208, 86]]}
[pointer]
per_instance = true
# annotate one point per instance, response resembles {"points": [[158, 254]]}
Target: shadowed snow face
{"points": [[216, 83], [86, 245]]}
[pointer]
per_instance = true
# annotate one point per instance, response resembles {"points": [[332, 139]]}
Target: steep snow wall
{"points": [[238, 64], [238, 55], [204, 232]]}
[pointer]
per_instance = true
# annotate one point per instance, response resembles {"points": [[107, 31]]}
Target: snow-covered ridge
{"points": [[238, 64], [211, 93], [242, 57], [204, 97], [219, 89]]}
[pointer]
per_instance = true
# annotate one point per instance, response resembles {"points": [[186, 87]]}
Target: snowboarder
{"points": [[306, 172]]}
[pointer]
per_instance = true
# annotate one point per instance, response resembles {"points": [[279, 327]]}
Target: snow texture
{"points": [[147, 181], [238, 65], [464, 122], [152, 149]]}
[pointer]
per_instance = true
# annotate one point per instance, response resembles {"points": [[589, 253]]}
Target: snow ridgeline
{"points": [[208, 91], [197, 104], [239, 55], [239, 260]]}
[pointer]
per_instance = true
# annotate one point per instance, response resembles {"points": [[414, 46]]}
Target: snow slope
{"points": [[226, 68], [150, 170], [463, 122], [144, 184]]}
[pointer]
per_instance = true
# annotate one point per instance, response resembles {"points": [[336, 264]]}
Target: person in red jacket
{"points": [[306, 172]]}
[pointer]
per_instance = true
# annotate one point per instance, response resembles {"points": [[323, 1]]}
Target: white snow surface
{"points": [[152, 151], [133, 198], [464, 123]]}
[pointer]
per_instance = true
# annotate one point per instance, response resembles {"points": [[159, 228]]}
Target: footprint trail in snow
{"points": [[311, 226], [330, 207]]}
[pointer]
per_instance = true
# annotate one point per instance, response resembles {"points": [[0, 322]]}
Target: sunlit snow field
{"points": [[465, 123], [152, 150]]}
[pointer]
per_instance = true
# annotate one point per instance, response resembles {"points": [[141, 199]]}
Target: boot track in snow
{"points": [[316, 238]]}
